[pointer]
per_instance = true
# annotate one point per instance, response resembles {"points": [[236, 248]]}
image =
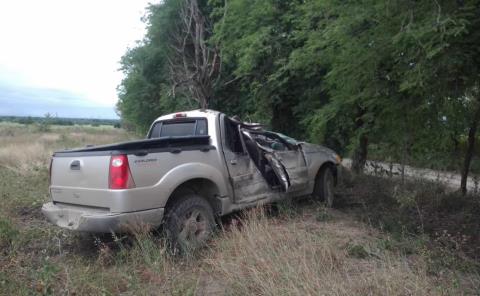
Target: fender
{"points": [[314, 164], [185, 172]]}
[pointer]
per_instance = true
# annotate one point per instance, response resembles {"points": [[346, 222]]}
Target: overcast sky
{"points": [[61, 56]]}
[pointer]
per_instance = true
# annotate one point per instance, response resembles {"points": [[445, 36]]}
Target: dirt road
{"points": [[450, 179]]}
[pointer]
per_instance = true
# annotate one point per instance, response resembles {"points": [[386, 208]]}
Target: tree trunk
{"points": [[470, 149], [360, 153], [407, 145], [195, 64]]}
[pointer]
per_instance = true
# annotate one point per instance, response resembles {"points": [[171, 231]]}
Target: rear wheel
{"points": [[325, 186], [189, 223]]}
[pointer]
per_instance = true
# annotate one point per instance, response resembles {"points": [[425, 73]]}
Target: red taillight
{"points": [[120, 176]]}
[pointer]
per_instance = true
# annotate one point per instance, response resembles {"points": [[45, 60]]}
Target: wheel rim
{"points": [[194, 228]]}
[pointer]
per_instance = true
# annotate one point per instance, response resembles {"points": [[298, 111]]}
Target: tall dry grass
{"points": [[304, 250], [303, 257], [26, 148]]}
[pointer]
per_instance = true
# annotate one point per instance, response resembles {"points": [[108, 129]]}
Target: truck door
{"points": [[295, 166], [247, 181], [287, 161]]}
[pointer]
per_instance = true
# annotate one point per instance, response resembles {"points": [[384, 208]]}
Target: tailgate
{"points": [[76, 180], [81, 172]]}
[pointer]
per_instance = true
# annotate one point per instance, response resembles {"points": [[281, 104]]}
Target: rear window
{"points": [[179, 128]]}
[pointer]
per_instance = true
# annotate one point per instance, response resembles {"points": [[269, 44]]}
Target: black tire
{"points": [[189, 223], [324, 186]]}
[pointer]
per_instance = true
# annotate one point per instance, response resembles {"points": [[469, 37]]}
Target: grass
{"points": [[294, 249], [26, 148], [416, 208]]}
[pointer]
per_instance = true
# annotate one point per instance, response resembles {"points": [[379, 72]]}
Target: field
{"points": [[381, 240]]}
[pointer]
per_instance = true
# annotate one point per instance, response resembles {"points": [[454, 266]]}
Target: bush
{"points": [[417, 208]]}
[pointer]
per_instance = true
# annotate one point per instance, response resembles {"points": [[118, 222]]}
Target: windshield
{"points": [[288, 139]]}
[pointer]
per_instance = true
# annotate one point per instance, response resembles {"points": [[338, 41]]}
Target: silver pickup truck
{"points": [[192, 167]]}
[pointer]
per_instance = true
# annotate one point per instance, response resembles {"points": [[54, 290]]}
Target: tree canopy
{"points": [[393, 80]]}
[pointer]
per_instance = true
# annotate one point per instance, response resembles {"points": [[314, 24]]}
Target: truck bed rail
{"points": [[165, 144]]}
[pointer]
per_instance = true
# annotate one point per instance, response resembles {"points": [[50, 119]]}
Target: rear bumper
{"points": [[86, 219]]}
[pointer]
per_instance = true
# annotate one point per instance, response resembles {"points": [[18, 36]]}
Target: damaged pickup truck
{"points": [[193, 167]]}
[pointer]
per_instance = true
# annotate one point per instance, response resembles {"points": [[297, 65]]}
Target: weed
{"points": [[8, 234], [45, 278], [357, 251], [323, 214]]}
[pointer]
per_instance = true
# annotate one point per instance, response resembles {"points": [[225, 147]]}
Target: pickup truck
{"points": [[193, 167]]}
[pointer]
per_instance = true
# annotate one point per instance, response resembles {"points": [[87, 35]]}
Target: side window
{"points": [[155, 133], [232, 137], [201, 128]]}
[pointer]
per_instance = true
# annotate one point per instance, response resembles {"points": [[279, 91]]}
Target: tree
{"points": [[444, 62], [472, 132], [371, 79], [145, 92], [256, 39], [194, 63]]}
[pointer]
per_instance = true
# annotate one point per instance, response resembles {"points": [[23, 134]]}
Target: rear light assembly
{"points": [[180, 115], [120, 176]]}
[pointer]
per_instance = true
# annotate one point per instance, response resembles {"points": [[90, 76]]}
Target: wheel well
{"points": [[331, 166], [203, 187]]}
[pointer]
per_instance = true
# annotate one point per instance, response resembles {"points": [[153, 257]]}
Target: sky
{"points": [[62, 56]]}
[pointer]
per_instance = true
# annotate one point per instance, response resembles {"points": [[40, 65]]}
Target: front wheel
{"points": [[325, 186], [189, 223]]}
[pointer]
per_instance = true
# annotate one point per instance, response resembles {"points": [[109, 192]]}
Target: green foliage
{"points": [[46, 123], [257, 40], [357, 251], [402, 74], [145, 92]]}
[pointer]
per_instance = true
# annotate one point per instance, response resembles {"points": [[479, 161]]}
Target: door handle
{"points": [[75, 165], [233, 162]]}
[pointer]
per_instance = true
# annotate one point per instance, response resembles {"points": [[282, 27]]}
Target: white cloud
{"points": [[68, 45]]}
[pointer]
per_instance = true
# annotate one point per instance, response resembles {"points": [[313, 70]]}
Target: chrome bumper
{"points": [[87, 219]]}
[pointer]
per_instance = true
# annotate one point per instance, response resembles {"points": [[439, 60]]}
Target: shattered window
{"points": [[271, 142], [232, 137]]}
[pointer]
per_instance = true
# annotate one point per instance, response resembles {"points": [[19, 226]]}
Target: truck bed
{"points": [[165, 144], [81, 176]]}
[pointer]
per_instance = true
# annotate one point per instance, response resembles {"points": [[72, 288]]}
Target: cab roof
{"points": [[192, 113], [209, 114]]}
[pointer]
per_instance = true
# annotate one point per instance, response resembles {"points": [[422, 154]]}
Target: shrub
{"points": [[417, 208]]}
